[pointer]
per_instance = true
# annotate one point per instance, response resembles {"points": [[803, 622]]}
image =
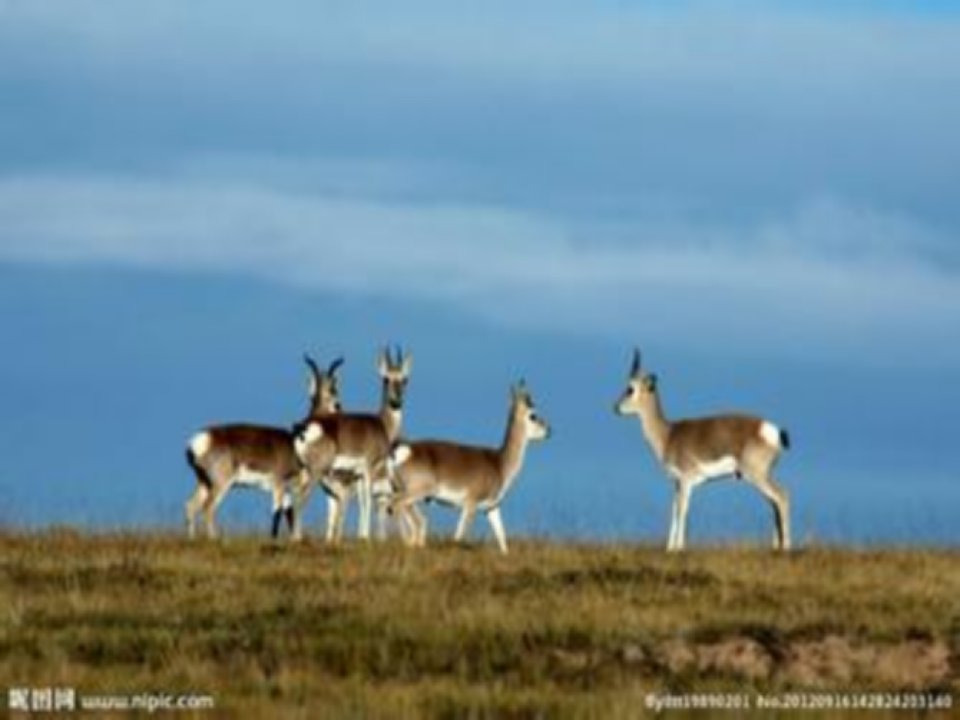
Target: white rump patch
{"points": [[770, 433], [287, 501], [400, 454], [200, 444]]}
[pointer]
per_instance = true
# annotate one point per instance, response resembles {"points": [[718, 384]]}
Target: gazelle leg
{"points": [[333, 511], [341, 518], [407, 528], [193, 506], [278, 494], [683, 506], [213, 500], [422, 518], [411, 520], [466, 518], [418, 523], [366, 496], [382, 502], [674, 521], [301, 494], [496, 523], [779, 500]]}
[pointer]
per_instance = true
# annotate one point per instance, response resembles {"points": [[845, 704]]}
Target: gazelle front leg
{"points": [[674, 520], [333, 515], [301, 494], [496, 523], [279, 497], [365, 500], [466, 518], [683, 506]]}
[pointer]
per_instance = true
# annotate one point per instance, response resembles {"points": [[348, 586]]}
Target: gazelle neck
{"points": [[656, 427], [319, 409], [392, 418], [513, 449]]}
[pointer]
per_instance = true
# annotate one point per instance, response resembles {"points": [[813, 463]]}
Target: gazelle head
{"points": [[641, 390], [395, 372], [324, 387], [524, 412]]}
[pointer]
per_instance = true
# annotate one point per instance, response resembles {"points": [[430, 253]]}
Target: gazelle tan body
{"points": [[361, 444], [259, 456], [697, 450], [469, 477]]}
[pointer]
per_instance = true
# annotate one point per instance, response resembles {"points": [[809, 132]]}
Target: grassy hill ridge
{"points": [[381, 630]]}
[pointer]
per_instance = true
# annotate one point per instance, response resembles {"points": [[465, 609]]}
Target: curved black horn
{"points": [[635, 368], [311, 363], [334, 366]]}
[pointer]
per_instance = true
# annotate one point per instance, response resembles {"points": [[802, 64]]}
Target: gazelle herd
{"points": [[365, 455]]}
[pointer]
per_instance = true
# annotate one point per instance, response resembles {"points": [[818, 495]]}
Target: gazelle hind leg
{"points": [[193, 506], [421, 524], [413, 521], [382, 503], [781, 505], [758, 464], [779, 500], [213, 500]]}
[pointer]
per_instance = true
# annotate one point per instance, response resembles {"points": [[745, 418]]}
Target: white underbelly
{"points": [[449, 495], [349, 464], [248, 477], [726, 465]]}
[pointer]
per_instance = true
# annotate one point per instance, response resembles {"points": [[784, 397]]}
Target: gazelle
{"points": [[344, 478], [224, 456], [464, 476], [701, 449]]}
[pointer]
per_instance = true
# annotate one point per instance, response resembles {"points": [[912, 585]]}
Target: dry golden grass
{"points": [[382, 631]]}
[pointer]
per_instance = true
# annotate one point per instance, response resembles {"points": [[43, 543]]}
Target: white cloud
{"points": [[828, 281]]}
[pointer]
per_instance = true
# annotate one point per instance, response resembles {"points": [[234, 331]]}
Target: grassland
{"points": [[551, 630]]}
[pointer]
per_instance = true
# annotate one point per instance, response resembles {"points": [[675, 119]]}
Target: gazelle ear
{"points": [[383, 362], [652, 381], [407, 363]]}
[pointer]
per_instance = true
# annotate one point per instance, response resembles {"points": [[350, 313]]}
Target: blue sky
{"points": [[763, 196]]}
